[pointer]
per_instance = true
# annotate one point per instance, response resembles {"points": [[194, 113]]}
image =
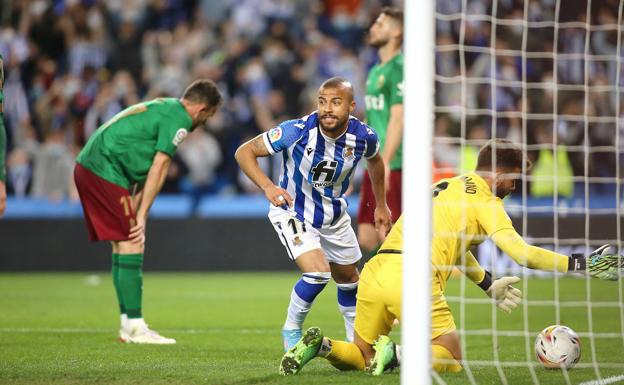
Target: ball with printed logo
{"points": [[558, 347]]}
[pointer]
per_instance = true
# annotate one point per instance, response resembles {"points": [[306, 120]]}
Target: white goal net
{"points": [[548, 75]]}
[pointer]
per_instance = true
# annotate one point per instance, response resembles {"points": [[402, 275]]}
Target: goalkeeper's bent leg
{"points": [[343, 355], [443, 360]]}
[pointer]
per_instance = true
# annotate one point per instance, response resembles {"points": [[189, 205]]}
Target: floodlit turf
{"points": [[61, 328]]}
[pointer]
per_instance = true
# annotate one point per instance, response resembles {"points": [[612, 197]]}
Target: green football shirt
{"points": [[384, 88], [122, 150], [2, 129]]}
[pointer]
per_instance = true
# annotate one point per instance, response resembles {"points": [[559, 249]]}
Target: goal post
{"points": [[417, 155]]}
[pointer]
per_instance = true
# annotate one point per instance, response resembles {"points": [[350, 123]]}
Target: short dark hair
{"points": [[395, 13], [203, 91], [506, 155], [338, 82]]}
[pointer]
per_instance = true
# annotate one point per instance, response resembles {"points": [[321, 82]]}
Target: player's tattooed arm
{"points": [[258, 147], [247, 157]]}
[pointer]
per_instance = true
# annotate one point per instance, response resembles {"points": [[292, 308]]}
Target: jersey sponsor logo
{"points": [[275, 134], [373, 102], [179, 136], [348, 153], [325, 170]]}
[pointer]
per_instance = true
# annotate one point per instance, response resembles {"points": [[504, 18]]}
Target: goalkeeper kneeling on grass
{"points": [[466, 210]]}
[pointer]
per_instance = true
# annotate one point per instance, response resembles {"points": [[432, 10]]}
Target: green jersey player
{"points": [[129, 153], [2, 145], [384, 113]]}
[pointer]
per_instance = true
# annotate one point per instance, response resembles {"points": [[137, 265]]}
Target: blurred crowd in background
{"points": [[560, 97], [70, 65]]}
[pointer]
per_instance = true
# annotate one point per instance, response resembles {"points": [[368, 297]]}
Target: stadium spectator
{"points": [[552, 171], [61, 58]]}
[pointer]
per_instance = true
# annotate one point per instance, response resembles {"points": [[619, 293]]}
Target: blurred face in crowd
{"points": [[383, 30], [335, 104]]}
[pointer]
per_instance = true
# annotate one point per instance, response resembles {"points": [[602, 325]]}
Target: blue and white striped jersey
{"points": [[317, 169]]}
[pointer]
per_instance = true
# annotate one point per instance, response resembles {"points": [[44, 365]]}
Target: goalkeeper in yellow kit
{"points": [[466, 210]]}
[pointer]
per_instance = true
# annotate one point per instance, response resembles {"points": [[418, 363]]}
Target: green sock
{"points": [[115, 273], [131, 283]]}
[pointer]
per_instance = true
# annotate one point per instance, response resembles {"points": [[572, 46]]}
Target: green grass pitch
{"points": [[61, 328]]}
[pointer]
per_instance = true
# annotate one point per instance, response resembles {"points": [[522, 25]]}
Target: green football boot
{"points": [[303, 351], [385, 356]]}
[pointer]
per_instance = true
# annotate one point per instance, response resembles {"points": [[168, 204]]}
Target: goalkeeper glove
{"points": [[599, 264], [506, 296]]}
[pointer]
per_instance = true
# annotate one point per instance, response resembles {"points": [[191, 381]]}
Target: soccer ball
{"points": [[558, 347]]}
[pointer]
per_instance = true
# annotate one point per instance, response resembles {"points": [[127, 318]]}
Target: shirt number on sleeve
{"points": [[439, 188]]}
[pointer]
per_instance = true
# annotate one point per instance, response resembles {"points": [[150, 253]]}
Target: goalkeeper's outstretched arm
{"points": [[533, 257], [601, 263]]}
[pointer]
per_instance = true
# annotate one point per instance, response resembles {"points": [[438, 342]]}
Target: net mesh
{"points": [[548, 76]]}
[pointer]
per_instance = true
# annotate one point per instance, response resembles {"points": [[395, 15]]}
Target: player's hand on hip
{"points": [[383, 220], [137, 232], [506, 296], [278, 196]]}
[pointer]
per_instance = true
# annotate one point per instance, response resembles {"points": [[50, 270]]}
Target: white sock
{"points": [[346, 303], [133, 324], [124, 319], [302, 296]]}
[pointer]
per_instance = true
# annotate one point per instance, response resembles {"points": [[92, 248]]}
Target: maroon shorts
{"points": [[108, 208], [366, 212]]}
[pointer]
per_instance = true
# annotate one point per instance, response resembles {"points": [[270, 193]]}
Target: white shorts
{"points": [[338, 242]]}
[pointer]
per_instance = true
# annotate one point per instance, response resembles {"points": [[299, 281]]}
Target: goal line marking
{"points": [[605, 381]]}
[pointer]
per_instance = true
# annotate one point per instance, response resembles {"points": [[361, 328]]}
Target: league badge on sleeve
{"points": [[275, 134], [179, 136]]}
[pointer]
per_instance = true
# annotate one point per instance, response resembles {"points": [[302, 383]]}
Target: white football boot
{"points": [[135, 331]]}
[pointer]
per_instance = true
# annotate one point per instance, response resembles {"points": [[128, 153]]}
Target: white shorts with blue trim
{"points": [[338, 242]]}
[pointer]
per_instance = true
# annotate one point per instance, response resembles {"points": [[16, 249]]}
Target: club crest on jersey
{"points": [[297, 241], [348, 153], [275, 134], [179, 136], [381, 81]]}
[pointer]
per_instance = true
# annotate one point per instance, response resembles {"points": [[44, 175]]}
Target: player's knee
{"points": [[346, 276]]}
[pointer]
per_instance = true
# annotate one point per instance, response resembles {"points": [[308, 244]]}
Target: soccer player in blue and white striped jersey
{"points": [[320, 152]]}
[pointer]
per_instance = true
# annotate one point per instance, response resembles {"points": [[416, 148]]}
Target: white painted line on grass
{"points": [[605, 381]]}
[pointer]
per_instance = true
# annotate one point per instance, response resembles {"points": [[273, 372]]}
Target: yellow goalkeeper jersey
{"points": [[465, 211]]}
